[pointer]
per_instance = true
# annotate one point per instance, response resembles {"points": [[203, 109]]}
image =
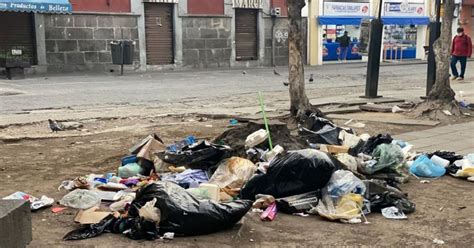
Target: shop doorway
{"points": [[340, 43], [17, 40], [159, 33], [246, 36]]}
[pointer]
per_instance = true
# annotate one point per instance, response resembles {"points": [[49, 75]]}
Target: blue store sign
{"points": [[41, 6]]}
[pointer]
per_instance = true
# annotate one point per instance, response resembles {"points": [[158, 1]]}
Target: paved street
{"points": [[212, 91], [458, 138]]}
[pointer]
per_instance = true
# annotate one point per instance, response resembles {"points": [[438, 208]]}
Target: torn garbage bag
{"points": [[347, 207], [389, 199], [232, 174], [91, 231], [183, 214], [295, 173], [200, 155], [317, 130]]}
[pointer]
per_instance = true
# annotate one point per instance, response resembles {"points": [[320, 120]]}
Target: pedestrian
{"points": [[344, 42], [461, 49]]}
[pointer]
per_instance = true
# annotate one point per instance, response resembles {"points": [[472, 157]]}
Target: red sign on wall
{"points": [[101, 5], [206, 7]]}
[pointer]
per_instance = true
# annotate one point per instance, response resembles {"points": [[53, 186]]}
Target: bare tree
{"points": [[299, 102], [441, 97]]}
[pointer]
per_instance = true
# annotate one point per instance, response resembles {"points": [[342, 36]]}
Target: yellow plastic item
{"points": [[347, 208]]}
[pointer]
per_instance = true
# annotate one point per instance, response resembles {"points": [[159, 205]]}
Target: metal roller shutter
{"points": [[17, 32], [159, 33], [246, 37]]}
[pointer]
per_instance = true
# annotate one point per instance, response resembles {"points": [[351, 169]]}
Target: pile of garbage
{"points": [[195, 187]]}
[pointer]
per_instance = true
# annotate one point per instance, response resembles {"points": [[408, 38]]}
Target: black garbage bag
{"points": [[200, 155], [317, 130], [183, 214], [140, 228], [371, 144], [450, 156], [91, 231], [295, 173], [298, 203], [389, 199]]}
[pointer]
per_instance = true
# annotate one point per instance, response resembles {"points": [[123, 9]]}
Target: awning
{"points": [[390, 20], [40, 6], [342, 20]]}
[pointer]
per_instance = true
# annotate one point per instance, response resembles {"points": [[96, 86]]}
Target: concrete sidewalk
{"points": [[458, 138]]}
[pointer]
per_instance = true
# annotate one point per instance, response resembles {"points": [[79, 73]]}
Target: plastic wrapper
{"points": [[183, 214], [347, 207], [349, 161], [295, 173], [387, 156], [232, 174], [386, 199], [299, 203], [200, 155], [372, 143], [81, 199], [424, 167], [343, 182]]}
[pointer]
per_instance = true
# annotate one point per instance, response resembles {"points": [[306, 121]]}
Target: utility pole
{"points": [[435, 32], [373, 64]]}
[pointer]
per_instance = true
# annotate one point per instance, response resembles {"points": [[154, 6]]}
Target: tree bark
{"points": [[442, 47], [299, 102]]}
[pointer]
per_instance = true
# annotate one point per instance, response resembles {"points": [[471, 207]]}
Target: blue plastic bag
{"points": [[424, 167]]}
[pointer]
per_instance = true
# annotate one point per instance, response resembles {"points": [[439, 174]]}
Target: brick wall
{"points": [[82, 42], [206, 42]]}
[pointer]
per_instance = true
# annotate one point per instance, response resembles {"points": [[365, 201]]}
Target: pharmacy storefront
{"points": [[405, 24], [337, 18]]}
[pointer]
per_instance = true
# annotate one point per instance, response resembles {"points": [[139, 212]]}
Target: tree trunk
{"points": [[442, 47], [299, 102]]}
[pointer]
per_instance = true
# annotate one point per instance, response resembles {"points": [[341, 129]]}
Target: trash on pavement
{"points": [[130, 170], [346, 208], [57, 209], [349, 161], [168, 236], [333, 149], [200, 155], [393, 213], [90, 216], [438, 242], [183, 214], [295, 173], [269, 156], [270, 213], [149, 212], [299, 203], [317, 130], [91, 231], [440, 161], [424, 167], [256, 138], [232, 174], [81, 199], [386, 156], [190, 178], [35, 203], [263, 201], [343, 182]]}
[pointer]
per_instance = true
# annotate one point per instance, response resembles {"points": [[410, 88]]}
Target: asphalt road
{"points": [[61, 91]]}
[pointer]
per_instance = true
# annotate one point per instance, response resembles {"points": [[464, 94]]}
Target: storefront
{"points": [[336, 19], [405, 24], [18, 41]]}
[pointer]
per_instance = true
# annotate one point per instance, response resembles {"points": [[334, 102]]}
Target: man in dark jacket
{"points": [[344, 42], [461, 49]]}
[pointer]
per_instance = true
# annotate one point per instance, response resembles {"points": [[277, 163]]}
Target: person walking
{"points": [[344, 42], [461, 49]]}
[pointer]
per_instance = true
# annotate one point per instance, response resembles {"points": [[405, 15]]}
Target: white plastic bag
{"points": [[81, 199], [343, 182]]}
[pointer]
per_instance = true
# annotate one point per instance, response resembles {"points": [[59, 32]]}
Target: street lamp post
{"points": [[435, 32], [373, 64]]}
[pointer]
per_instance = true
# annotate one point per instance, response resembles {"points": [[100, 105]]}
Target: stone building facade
{"points": [[81, 42], [167, 34]]}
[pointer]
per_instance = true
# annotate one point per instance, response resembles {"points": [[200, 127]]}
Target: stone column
{"points": [[139, 10], [40, 43]]}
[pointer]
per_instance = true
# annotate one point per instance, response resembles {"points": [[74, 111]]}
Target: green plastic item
{"points": [[265, 120]]}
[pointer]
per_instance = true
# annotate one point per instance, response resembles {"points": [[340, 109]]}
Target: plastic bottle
{"points": [[212, 189]]}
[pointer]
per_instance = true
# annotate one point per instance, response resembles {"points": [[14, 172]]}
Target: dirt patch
{"points": [[38, 166]]}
